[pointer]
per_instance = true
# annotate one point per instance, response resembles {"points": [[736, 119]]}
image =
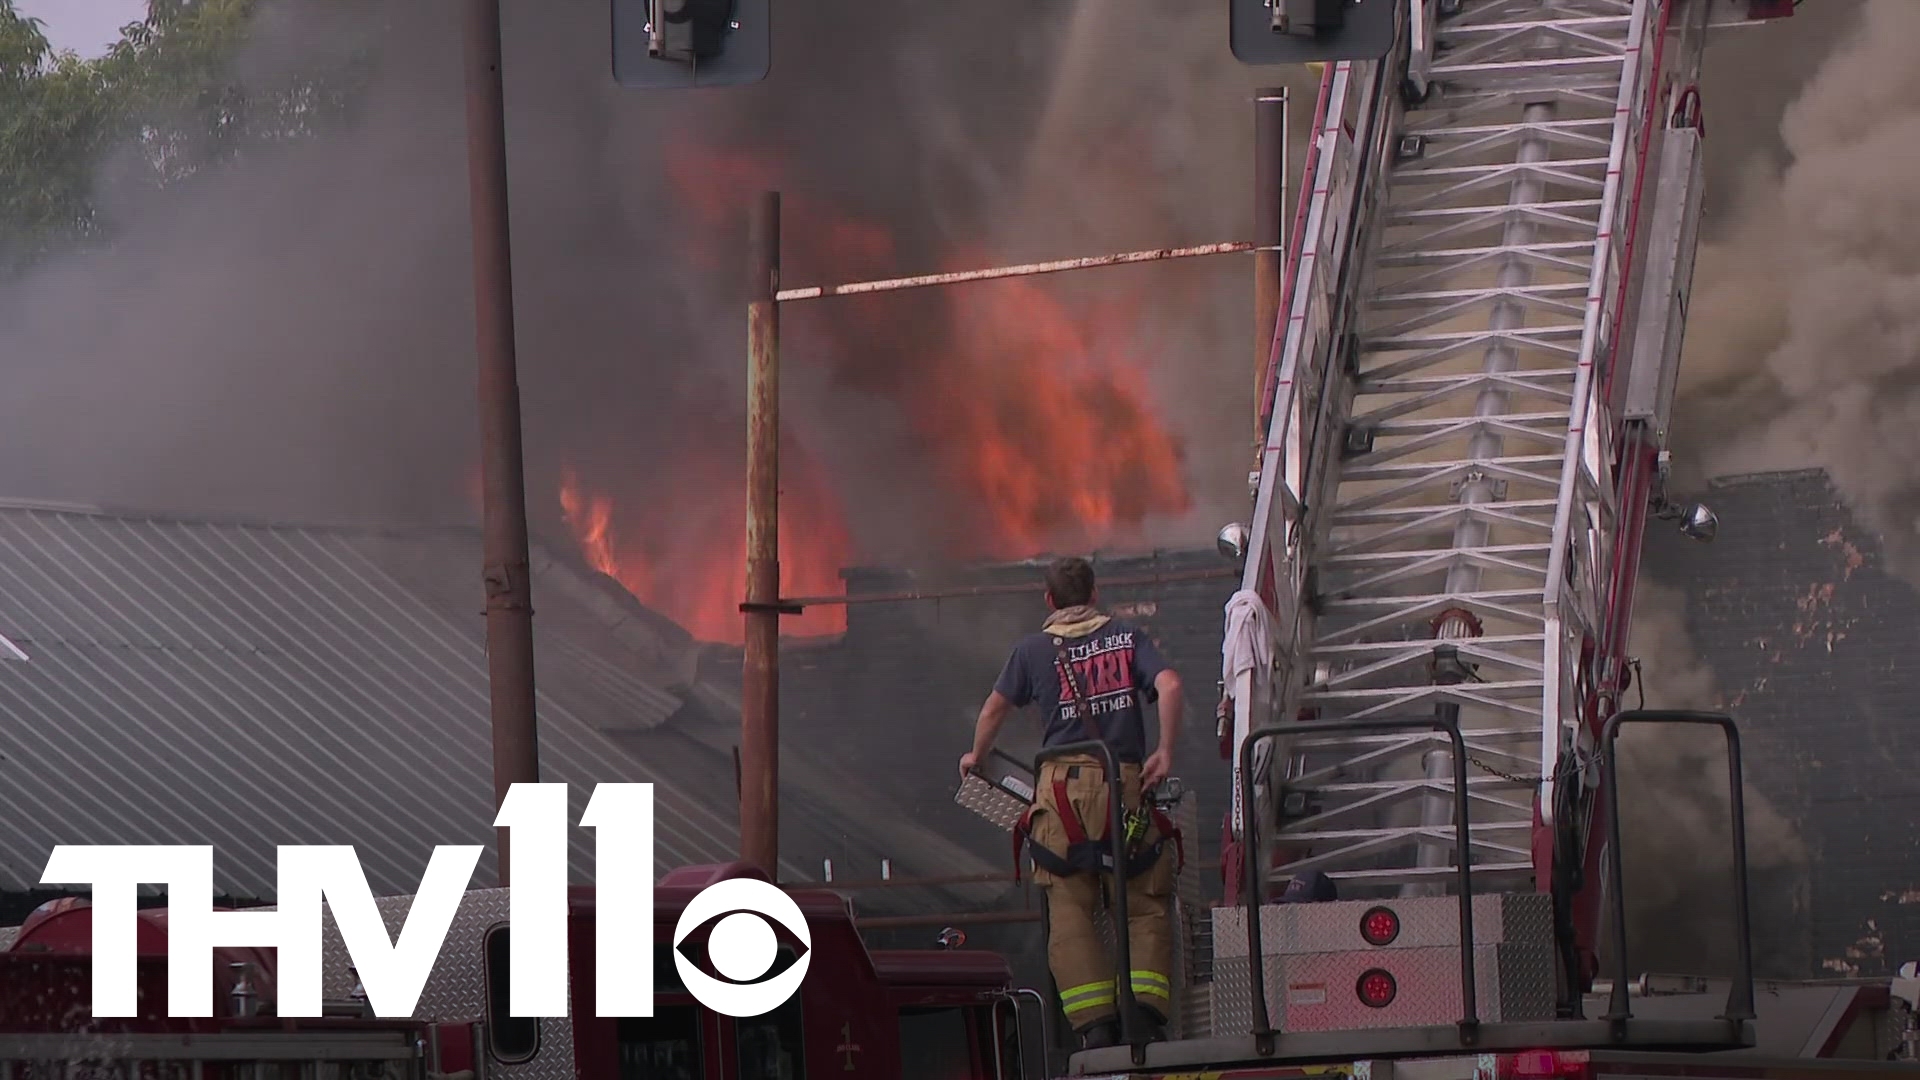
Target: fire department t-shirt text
{"points": [[1115, 667]]}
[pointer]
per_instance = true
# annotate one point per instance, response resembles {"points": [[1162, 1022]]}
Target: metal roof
{"points": [[247, 686]]}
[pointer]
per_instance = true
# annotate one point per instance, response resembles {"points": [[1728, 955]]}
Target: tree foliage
{"points": [[165, 100]]}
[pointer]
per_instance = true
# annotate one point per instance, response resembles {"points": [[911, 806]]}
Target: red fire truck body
{"points": [[859, 1014]]}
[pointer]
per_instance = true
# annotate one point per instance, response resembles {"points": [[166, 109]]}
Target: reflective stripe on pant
{"points": [[1152, 988], [1087, 1002], [1082, 964]]}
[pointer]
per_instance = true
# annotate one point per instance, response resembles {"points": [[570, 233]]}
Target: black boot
{"points": [[1150, 1024], [1099, 1034]]}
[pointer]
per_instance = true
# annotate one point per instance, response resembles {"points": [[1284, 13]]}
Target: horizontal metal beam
{"points": [[965, 591], [1024, 270]]}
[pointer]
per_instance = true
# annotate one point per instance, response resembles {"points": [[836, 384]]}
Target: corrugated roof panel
{"points": [[250, 686]]}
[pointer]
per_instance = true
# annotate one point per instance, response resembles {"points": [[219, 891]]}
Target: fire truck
{"points": [[1464, 413]]}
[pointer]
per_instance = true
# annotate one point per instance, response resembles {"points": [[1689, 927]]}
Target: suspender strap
{"points": [[1069, 820]]}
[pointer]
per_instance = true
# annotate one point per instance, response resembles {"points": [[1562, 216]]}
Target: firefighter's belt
{"points": [[1092, 854]]}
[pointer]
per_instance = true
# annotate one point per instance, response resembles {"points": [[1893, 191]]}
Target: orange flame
{"points": [[1047, 421], [1039, 416], [686, 558]]}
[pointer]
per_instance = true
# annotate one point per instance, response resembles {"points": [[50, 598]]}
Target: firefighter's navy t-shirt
{"points": [[1115, 666]]}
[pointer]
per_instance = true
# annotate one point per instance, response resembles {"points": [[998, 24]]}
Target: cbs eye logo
{"points": [[741, 947]]}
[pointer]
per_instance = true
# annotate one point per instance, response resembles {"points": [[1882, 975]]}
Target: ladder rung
{"points": [[1413, 875], [1491, 211], [1562, 248], [1468, 132], [1394, 428], [1417, 470], [1441, 297], [1502, 598], [1475, 829], [1362, 837], [1372, 648], [1497, 690], [1472, 735], [1406, 342], [1496, 70], [1388, 558], [1462, 172], [1451, 30], [1417, 384], [1361, 787]]}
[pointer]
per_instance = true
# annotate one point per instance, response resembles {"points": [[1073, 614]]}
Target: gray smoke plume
{"points": [[1804, 346], [1800, 351], [1675, 822], [290, 335]]}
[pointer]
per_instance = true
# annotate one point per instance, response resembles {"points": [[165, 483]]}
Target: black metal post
{"points": [[1740, 999], [505, 571]]}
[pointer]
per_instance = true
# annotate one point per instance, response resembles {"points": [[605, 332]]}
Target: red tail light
{"points": [[1376, 988], [1379, 926], [1545, 1065]]}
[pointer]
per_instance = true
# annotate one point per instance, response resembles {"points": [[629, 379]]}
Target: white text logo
{"points": [[741, 944]]}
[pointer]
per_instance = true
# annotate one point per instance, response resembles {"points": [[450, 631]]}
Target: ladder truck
{"points": [[1464, 414]]}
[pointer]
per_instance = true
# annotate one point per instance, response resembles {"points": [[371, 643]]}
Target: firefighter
{"points": [[1090, 677]]}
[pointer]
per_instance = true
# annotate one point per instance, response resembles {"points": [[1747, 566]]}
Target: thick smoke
{"points": [[290, 336], [1676, 824], [1801, 351], [1804, 346]]}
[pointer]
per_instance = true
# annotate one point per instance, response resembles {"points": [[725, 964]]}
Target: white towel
{"points": [[1249, 640]]}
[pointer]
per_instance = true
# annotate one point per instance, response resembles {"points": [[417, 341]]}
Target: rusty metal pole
{"points": [[1269, 211], [760, 677], [516, 754]]}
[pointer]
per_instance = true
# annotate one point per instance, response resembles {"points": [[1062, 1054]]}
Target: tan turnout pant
{"points": [[1082, 966]]}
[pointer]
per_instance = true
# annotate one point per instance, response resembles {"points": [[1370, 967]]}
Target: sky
{"points": [[85, 26]]}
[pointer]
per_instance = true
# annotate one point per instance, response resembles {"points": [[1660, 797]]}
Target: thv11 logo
{"points": [[741, 945]]}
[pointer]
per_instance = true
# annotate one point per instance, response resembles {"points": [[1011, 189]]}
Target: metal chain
{"points": [[1511, 777]]}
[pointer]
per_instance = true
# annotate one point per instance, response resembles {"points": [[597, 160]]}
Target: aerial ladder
{"points": [[1464, 416]]}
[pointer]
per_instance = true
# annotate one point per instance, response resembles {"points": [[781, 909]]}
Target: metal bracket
{"points": [[1499, 487], [778, 607], [1350, 353]]}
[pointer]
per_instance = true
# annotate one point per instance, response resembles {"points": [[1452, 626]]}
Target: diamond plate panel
{"points": [[1527, 918], [992, 802], [456, 988], [1315, 956], [1230, 933], [1320, 992], [1232, 993], [1527, 975]]}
